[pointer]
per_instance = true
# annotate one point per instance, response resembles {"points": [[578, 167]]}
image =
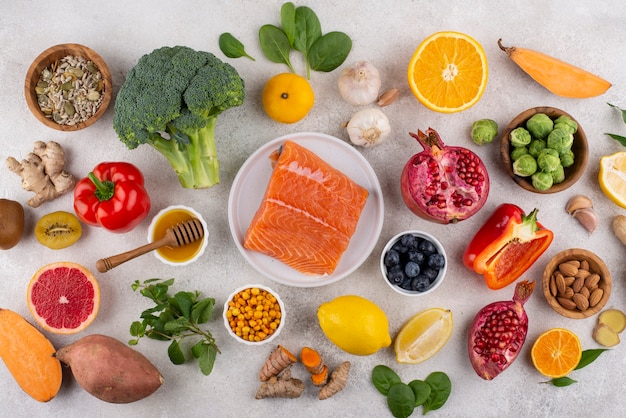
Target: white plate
{"points": [[249, 187]]}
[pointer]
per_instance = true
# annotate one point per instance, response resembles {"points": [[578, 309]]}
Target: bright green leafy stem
{"points": [[619, 138], [176, 318], [232, 47], [588, 357]]}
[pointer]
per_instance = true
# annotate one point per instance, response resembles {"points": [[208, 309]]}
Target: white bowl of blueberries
{"points": [[413, 263]]}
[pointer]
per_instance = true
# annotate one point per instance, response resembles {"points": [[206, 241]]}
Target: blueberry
{"points": [[436, 261], [431, 273], [396, 276], [412, 269], [392, 258], [399, 247], [409, 241], [420, 283], [406, 284], [427, 247], [416, 256]]}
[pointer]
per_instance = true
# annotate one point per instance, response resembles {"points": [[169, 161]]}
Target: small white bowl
{"points": [[435, 283], [269, 337], [192, 212]]}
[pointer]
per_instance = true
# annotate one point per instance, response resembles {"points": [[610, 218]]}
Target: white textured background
{"points": [[588, 34]]}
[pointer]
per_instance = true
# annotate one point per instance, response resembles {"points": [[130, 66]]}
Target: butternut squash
{"points": [[29, 356], [559, 77]]}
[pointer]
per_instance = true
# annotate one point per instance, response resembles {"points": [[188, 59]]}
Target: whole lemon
{"points": [[354, 324], [287, 97]]}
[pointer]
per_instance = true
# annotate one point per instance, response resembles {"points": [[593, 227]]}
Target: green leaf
{"points": [[421, 390], [401, 400], [275, 45], [202, 311], [184, 302], [589, 356], [308, 29], [133, 342], [207, 360], [383, 378], [623, 111], [561, 381], [618, 138], [440, 388], [232, 47], [329, 51], [175, 353], [176, 326], [288, 21], [137, 329]]}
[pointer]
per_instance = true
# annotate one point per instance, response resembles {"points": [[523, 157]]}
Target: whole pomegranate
{"points": [[442, 183], [498, 333]]}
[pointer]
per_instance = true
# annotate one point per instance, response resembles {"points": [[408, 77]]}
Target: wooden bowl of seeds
{"points": [[68, 87], [576, 283]]}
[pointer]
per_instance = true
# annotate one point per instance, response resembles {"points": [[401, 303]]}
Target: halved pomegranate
{"points": [[498, 333], [443, 184]]}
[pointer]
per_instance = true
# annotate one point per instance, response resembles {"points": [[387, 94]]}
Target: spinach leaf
{"points": [[421, 390], [383, 378], [401, 400], [288, 21], [329, 51], [589, 357], [275, 45], [441, 387], [232, 47], [308, 30]]}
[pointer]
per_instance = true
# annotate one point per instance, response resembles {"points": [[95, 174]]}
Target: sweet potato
{"points": [[110, 370], [29, 356]]}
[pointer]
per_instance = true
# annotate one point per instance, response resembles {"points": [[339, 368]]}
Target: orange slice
{"points": [[64, 297], [612, 177], [556, 352], [448, 72]]}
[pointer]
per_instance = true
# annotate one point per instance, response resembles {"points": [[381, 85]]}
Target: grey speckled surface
{"points": [[590, 35]]}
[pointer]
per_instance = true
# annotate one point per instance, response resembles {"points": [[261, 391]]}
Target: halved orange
{"points": [[612, 177], [63, 297], [556, 352], [448, 72]]}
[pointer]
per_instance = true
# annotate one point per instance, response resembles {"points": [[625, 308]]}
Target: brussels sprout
{"points": [[518, 152], [542, 180], [548, 160], [567, 158], [525, 166], [566, 123], [539, 125], [535, 147], [484, 131], [520, 137], [558, 175], [560, 140]]}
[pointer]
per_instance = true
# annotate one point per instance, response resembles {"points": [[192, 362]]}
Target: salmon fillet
{"points": [[308, 214]]}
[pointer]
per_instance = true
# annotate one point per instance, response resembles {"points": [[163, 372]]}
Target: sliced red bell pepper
{"points": [[506, 245], [112, 196]]}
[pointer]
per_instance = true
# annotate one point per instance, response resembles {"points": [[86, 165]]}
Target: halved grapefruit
{"points": [[63, 297]]}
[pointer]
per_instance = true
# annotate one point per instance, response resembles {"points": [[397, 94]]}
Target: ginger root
{"points": [[337, 381], [278, 360], [43, 172], [281, 386]]}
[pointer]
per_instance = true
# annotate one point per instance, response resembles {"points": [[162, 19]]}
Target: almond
{"points": [[568, 269], [591, 281], [585, 292], [582, 303], [568, 293], [578, 284], [553, 289], [560, 283], [569, 280], [595, 296], [575, 263], [584, 265], [567, 303], [582, 273]]}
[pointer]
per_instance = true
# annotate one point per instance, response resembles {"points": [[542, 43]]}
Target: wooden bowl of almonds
{"points": [[68, 87], [576, 283]]}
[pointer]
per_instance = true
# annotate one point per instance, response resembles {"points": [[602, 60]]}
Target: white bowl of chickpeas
{"points": [[254, 314]]}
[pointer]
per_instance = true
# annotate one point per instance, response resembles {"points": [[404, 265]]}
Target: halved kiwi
{"points": [[58, 230]]}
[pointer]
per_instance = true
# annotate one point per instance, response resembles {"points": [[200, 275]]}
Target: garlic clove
{"points": [[360, 83], [587, 218], [388, 97], [578, 202]]}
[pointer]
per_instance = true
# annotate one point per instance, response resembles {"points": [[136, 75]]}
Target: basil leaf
{"points": [[618, 138], [175, 353], [401, 400], [232, 47], [623, 111], [275, 45], [308, 29], [383, 378], [329, 51], [421, 390], [561, 381], [440, 387], [589, 356], [288, 21], [202, 310]]}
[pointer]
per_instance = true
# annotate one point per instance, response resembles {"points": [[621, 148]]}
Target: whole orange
{"points": [[287, 98]]}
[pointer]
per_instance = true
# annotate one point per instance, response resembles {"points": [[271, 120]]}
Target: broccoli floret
{"points": [[170, 100]]}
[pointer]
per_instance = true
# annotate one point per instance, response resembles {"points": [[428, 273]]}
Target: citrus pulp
{"points": [[423, 335], [556, 352], [612, 177], [287, 98], [354, 324], [63, 297]]}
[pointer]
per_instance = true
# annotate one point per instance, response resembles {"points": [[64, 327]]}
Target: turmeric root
{"points": [[337, 381], [314, 364], [43, 173], [278, 360], [281, 386], [321, 378]]}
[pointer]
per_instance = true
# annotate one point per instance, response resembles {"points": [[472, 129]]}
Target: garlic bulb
{"points": [[368, 127], [359, 84]]}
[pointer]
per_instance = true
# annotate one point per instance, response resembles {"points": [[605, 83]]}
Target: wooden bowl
{"points": [[46, 59], [579, 147], [596, 265]]}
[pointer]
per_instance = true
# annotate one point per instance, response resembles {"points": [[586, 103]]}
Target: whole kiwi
{"points": [[11, 223]]}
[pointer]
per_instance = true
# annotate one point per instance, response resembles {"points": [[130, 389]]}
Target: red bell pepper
{"points": [[112, 196], [506, 245]]}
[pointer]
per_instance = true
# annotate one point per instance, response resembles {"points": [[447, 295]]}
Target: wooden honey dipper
{"points": [[176, 236]]}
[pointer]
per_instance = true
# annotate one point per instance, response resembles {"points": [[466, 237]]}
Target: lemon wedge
{"points": [[612, 177], [423, 335]]}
